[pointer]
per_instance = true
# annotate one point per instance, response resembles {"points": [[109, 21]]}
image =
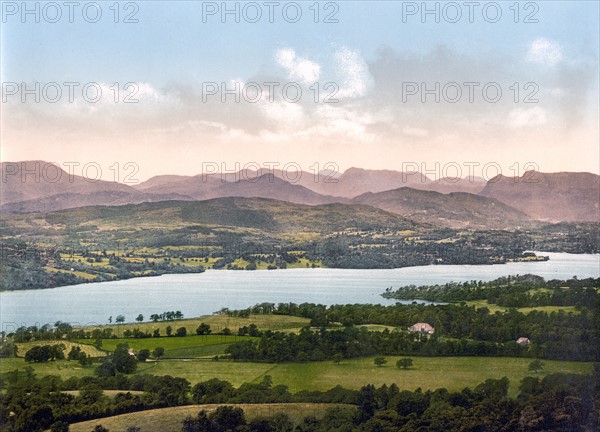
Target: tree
{"points": [[535, 366], [212, 391], [337, 358], [84, 359], [203, 329], [110, 319], [404, 363], [120, 319], [8, 349], [228, 418], [180, 332], [98, 343], [143, 355], [44, 353], [495, 389], [156, 333], [90, 393], [281, 422], [122, 360], [158, 352], [105, 369], [379, 361], [169, 330], [74, 353], [140, 318]]}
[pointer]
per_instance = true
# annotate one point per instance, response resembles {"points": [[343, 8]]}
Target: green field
{"points": [[453, 373], [548, 309], [216, 322], [176, 347], [169, 419], [63, 368]]}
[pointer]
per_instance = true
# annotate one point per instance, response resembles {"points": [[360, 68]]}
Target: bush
{"points": [[203, 329]]}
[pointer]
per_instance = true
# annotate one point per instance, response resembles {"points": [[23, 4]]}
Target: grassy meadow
{"points": [[176, 347], [216, 322], [169, 419], [453, 373]]}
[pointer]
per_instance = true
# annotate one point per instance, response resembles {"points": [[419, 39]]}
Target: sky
{"points": [[172, 87]]}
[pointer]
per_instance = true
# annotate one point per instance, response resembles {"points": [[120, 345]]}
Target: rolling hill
{"points": [[502, 202], [553, 197], [249, 185], [357, 181], [457, 209], [255, 213], [349, 184], [38, 186]]}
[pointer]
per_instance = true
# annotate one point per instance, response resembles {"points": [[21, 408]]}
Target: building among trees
{"points": [[421, 328]]}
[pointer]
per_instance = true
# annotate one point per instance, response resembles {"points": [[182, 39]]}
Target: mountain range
{"points": [[502, 202], [563, 196]]}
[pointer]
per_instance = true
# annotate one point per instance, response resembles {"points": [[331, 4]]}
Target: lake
{"points": [[205, 293]]}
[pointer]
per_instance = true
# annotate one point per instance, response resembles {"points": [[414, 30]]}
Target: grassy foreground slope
{"points": [[453, 373], [169, 419]]}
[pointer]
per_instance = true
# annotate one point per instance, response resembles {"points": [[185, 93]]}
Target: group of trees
{"points": [[166, 316], [44, 353], [459, 330], [555, 402], [77, 354], [510, 291], [353, 249], [351, 342], [121, 360], [230, 419]]}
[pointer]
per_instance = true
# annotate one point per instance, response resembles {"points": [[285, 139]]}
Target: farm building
{"points": [[421, 328]]}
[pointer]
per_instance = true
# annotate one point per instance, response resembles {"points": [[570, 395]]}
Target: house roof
{"points": [[421, 327]]}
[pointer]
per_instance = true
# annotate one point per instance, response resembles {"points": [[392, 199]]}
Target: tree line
{"points": [[459, 330], [509, 291]]}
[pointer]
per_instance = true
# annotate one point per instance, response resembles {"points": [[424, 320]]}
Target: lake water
{"points": [[205, 293]]}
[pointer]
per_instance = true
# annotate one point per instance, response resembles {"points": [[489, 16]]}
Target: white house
{"points": [[421, 328]]}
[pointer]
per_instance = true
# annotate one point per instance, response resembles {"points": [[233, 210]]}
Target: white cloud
{"points": [[544, 51], [354, 73], [298, 68], [521, 117], [284, 115]]}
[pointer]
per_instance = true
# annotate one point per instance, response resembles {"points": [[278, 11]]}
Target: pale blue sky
{"points": [[370, 52], [171, 41]]}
